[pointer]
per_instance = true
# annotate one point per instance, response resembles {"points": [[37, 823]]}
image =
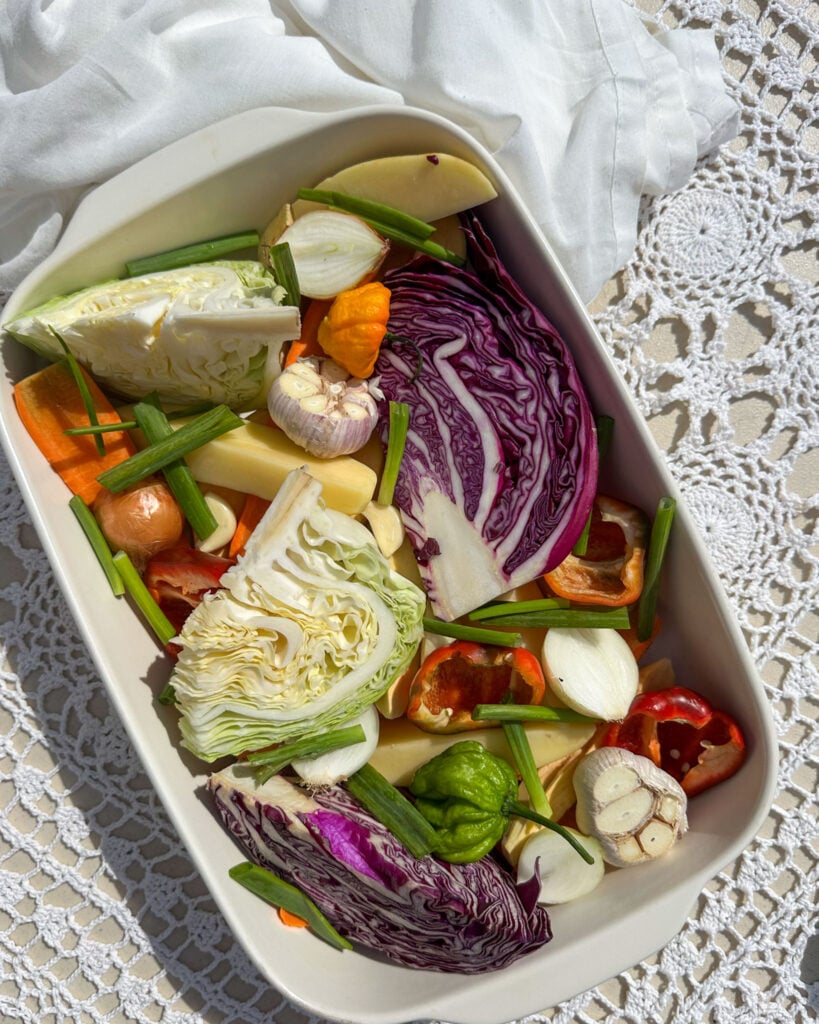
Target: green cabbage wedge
{"points": [[208, 332], [311, 627]]}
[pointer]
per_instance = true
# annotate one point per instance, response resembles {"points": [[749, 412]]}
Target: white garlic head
{"points": [[322, 408]]}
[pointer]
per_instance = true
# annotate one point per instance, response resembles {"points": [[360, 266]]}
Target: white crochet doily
{"points": [[714, 325]]}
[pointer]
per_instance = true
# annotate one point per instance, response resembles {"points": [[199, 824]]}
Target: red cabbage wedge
{"points": [[464, 918], [500, 466]]}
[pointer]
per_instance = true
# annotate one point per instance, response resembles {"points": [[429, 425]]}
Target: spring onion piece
{"points": [[154, 615], [85, 394], [95, 536], [504, 608], [270, 762], [284, 270], [476, 634], [525, 763], [424, 245], [107, 428], [527, 713], [605, 429], [399, 425], [524, 759], [167, 695], [170, 447], [392, 809], [658, 541], [568, 618], [368, 208], [199, 252], [282, 894], [155, 426]]}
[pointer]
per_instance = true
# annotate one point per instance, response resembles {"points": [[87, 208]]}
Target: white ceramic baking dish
{"points": [[234, 175]]}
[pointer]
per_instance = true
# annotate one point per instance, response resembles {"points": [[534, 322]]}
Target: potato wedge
{"points": [[429, 186]]}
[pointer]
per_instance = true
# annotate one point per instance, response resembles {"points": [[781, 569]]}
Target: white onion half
{"points": [[336, 765], [332, 252]]}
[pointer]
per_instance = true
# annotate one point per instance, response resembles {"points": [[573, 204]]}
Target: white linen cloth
{"points": [[585, 108]]}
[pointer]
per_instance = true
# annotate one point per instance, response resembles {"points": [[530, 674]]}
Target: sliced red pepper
{"points": [[611, 571], [678, 729], [453, 679], [182, 575]]}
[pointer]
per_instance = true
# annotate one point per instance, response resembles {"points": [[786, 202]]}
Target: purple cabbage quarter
{"points": [[500, 466], [464, 918]]}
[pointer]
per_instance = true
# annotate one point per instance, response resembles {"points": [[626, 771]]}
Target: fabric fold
{"points": [[584, 108]]}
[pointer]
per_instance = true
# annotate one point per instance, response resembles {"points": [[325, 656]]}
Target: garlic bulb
{"points": [[322, 408], [633, 808]]}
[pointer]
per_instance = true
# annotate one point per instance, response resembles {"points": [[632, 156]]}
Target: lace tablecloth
{"points": [[714, 324]]}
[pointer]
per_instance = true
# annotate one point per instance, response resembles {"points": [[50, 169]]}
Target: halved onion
{"points": [[332, 252]]}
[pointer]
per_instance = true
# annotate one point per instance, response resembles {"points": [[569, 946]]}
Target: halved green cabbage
{"points": [[209, 332], [311, 627]]}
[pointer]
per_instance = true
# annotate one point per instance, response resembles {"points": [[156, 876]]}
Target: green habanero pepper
{"points": [[468, 795], [463, 793]]}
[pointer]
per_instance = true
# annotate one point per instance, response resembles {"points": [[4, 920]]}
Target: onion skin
{"points": [[140, 521]]}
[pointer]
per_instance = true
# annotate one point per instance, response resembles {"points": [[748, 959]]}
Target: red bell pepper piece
{"points": [[179, 577], [679, 730], [611, 571], [453, 679]]}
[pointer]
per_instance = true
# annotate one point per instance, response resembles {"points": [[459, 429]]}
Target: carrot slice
{"points": [[252, 511], [307, 343], [48, 403], [290, 919]]}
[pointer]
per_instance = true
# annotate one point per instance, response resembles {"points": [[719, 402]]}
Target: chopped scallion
{"points": [[99, 544], [504, 608], [155, 426], [365, 208], [107, 428], [518, 741], [476, 634], [171, 446], [567, 618], [269, 762], [399, 425], [85, 393], [154, 615], [392, 809], [284, 270], [186, 255], [275, 890], [527, 713], [167, 695], [655, 556]]}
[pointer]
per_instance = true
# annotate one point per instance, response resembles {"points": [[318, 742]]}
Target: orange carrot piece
{"points": [[290, 919], [48, 403], [252, 511], [307, 344]]}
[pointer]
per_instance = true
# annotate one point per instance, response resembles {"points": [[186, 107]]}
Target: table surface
{"points": [[713, 325]]}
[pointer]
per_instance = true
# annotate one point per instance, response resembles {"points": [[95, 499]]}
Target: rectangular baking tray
{"points": [[226, 178]]}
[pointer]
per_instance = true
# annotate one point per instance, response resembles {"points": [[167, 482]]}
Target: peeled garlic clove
{"points": [[225, 523], [386, 525], [564, 876], [321, 408], [591, 670], [634, 809]]}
